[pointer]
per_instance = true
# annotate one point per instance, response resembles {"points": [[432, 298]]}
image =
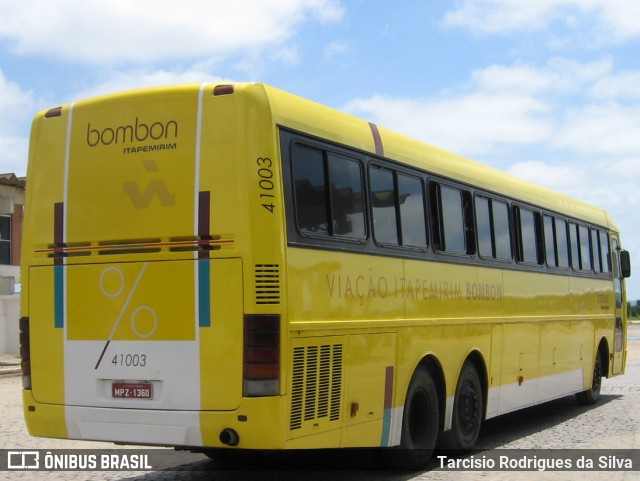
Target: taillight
{"points": [[222, 90], [261, 355], [25, 353], [51, 113]]}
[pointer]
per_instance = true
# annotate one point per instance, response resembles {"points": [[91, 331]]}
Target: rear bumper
{"points": [[259, 424]]}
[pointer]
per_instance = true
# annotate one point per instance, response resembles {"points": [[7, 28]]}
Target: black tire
{"points": [[468, 411], [420, 421], [591, 396]]}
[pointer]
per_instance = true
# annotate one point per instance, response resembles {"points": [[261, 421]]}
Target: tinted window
{"points": [[555, 240], [452, 220], [412, 214], [397, 202], [483, 225], [383, 205], [502, 233], [310, 190], [328, 193], [585, 248], [492, 224], [562, 243], [550, 241], [575, 246], [528, 236], [347, 212], [595, 245], [604, 250]]}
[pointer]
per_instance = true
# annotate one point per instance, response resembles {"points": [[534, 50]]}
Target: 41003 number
{"points": [[129, 360], [266, 184]]}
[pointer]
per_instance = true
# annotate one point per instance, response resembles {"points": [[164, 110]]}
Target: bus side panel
{"points": [[46, 181], [220, 344], [341, 287], [46, 420], [596, 306], [47, 361]]}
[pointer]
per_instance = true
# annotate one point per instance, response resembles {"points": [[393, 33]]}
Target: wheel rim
{"points": [[597, 376], [468, 409]]}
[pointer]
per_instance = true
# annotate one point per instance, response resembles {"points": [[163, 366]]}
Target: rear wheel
{"points": [[467, 411], [420, 422], [591, 396]]}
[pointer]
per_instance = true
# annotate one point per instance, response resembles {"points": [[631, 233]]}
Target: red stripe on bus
{"points": [[377, 140]]}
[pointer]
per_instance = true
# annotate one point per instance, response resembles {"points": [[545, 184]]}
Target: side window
{"points": [[328, 194], [502, 231], [562, 243], [347, 210], [397, 203], [492, 224], [309, 181], [484, 230], [597, 256], [555, 240], [604, 252], [580, 247], [585, 248], [412, 214], [529, 236], [453, 219], [383, 206], [575, 246], [550, 241]]}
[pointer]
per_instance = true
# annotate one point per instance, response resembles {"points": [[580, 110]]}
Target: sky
{"points": [[547, 90]]}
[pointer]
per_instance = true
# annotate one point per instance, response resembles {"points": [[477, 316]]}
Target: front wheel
{"points": [[591, 396], [420, 421]]}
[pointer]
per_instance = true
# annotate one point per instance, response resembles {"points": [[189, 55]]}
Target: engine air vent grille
{"points": [[267, 287], [316, 384]]}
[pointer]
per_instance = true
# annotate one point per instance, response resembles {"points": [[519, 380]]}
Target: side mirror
{"points": [[625, 264]]}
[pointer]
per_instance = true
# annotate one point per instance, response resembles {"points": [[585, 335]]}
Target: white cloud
{"points": [[564, 105], [14, 103], [470, 124], [133, 79], [559, 75], [625, 85], [17, 107], [14, 150], [562, 178], [145, 31], [601, 129], [615, 20]]}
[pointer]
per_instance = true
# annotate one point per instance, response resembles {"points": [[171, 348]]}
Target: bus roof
{"points": [[306, 116], [331, 124]]}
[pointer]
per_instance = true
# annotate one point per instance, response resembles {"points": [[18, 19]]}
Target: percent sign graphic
{"points": [[113, 293]]}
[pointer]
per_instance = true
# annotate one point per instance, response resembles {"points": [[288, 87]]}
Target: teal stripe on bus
{"points": [[204, 293], [58, 296]]}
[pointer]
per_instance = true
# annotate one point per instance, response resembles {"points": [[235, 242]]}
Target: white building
{"points": [[12, 190]]}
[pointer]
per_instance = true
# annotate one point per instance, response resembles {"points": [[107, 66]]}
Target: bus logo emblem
{"points": [[155, 188]]}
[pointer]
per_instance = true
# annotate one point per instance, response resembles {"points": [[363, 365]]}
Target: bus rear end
{"points": [[135, 324]]}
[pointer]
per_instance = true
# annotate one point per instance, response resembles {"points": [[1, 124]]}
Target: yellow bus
{"points": [[228, 266]]}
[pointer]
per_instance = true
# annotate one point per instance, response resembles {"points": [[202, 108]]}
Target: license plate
{"points": [[130, 390]]}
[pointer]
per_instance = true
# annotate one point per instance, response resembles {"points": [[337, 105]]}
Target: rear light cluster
{"points": [[261, 369], [51, 113], [222, 90], [25, 353]]}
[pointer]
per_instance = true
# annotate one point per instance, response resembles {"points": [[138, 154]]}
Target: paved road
{"points": [[613, 423]]}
